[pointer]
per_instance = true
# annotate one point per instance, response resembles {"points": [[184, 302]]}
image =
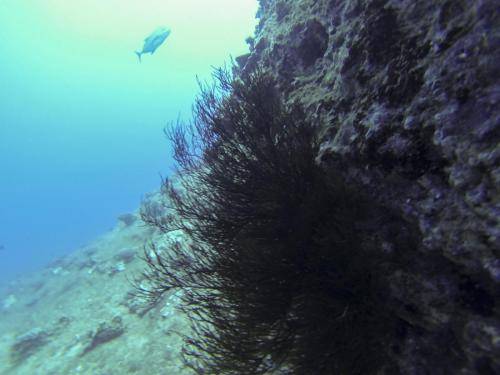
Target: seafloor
{"points": [[78, 315]]}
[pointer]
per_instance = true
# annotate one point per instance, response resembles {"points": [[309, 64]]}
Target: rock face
{"points": [[27, 344], [104, 333], [127, 219], [406, 97]]}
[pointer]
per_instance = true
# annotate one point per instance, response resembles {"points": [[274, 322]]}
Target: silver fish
{"points": [[153, 41]]}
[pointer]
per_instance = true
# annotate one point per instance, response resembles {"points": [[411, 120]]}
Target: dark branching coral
{"points": [[276, 276]]}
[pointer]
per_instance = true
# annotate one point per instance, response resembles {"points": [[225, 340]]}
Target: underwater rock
{"points": [[27, 344], [116, 268], [312, 43], [153, 205], [126, 255], [135, 304], [242, 59], [405, 95], [86, 263], [282, 9], [127, 219], [60, 262], [123, 257], [483, 336], [171, 304], [37, 285], [61, 323], [105, 333], [32, 302], [89, 252], [9, 301]]}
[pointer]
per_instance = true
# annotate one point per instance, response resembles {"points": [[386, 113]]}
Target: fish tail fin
{"points": [[138, 55]]}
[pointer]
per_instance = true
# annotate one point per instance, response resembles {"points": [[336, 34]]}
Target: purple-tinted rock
{"points": [[127, 219], [105, 333], [406, 98], [27, 344]]}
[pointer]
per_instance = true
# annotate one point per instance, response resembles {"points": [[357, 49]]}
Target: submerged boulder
{"points": [[127, 219], [105, 333], [27, 344]]}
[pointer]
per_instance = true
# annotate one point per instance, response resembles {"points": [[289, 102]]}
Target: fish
{"points": [[153, 41], [2, 247]]}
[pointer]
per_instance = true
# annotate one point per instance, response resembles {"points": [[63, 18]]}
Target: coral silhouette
{"points": [[276, 276]]}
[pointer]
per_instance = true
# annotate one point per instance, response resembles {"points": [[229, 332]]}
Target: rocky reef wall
{"points": [[405, 94]]}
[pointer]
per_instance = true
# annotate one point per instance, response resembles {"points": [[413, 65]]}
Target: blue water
{"points": [[81, 119]]}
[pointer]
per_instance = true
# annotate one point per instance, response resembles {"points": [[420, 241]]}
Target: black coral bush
{"points": [[275, 277]]}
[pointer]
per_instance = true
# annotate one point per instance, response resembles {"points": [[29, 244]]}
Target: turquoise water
{"points": [[81, 119]]}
